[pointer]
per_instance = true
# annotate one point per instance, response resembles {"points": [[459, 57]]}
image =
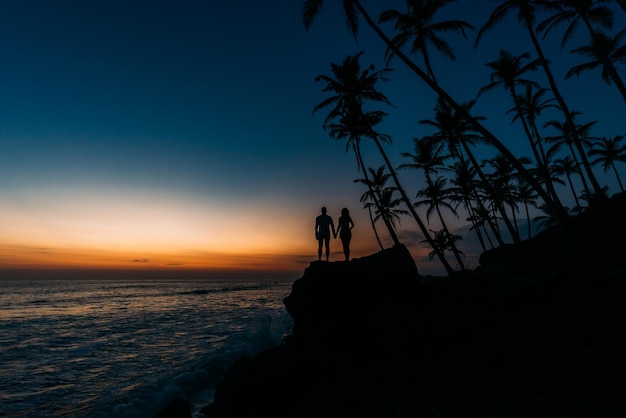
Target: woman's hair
{"points": [[345, 212]]}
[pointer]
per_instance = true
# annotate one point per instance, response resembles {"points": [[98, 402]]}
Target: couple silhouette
{"points": [[323, 226]]}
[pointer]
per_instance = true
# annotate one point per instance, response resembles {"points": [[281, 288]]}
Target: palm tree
{"points": [[503, 179], [388, 207], [353, 88], [528, 197], [435, 196], [464, 192], [508, 72], [418, 24], [444, 242], [353, 126], [526, 11], [604, 51], [346, 120], [353, 9], [575, 12], [531, 105], [566, 137], [482, 216], [375, 183], [567, 166], [426, 158], [456, 133], [608, 151]]}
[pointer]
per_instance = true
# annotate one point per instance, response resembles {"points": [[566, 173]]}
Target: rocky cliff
{"points": [[349, 353], [372, 340]]}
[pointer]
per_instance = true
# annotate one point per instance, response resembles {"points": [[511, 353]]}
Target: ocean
{"points": [[113, 348]]}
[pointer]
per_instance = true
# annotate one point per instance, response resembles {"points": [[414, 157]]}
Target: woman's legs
{"points": [[346, 247]]}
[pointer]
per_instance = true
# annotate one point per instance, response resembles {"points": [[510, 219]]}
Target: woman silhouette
{"points": [[344, 229]]}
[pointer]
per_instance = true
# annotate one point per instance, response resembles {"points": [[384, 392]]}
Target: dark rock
{"points": [[177, 408], [537, 331], [349, 353], [589, 243]]}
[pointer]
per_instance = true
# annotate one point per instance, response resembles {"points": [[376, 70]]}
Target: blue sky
{"points": [[180, 134]]}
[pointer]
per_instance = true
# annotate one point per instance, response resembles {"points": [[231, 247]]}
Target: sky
{"points": [[179, 137]]}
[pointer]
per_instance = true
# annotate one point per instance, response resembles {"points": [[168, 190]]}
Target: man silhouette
{"points": [[323, 225]]}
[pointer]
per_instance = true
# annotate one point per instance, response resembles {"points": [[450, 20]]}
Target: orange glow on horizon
{"points": [[15, 257], [87, 231]]}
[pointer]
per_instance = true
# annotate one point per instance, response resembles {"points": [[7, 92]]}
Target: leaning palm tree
{"points": [[351, 86], [567, 166], [464, 191], [527, 197], [386, 208], [531, 104], [355, 123], [444, 242], [575, 13], [526, 12], [389, 207], [354, 8], [566, 137], [427, 159], [456, 133], [418, 26], [480, 217], [604, 52], [609, 151], [436, 196], [504, 179], [375, 182], [509, 72]]}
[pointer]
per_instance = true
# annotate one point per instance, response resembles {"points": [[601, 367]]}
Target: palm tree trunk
{"points": [[568, 116], [619, 180], [392, 232], [573, 190], [608, 65], [487, 185], [380, 244], [475, 225], [414, 214], [455, 250], [544, 167]]}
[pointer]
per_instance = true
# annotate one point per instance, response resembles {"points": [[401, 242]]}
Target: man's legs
{"points": [[327, 241], [319, 249]]}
